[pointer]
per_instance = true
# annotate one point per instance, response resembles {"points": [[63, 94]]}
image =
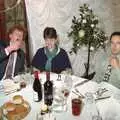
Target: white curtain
{"points": [[59, 14]]}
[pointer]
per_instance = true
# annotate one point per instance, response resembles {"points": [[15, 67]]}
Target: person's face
{"points": [[115, 45], [50, 43], [16, 36]]}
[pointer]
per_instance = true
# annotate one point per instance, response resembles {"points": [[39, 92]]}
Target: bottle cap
{"points": [[36, 74]]}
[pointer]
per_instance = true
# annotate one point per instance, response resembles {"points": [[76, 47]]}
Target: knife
{"points": [[81, 83], [101, 98], [79, 95]]}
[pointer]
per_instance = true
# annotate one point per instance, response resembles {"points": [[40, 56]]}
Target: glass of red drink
{"points": [[22, 84], [76, 106]]}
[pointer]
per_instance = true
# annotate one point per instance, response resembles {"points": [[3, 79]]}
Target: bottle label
{"points": [[48, 97], [35, 96]]}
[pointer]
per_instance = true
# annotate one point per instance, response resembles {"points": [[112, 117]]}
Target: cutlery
{"points": [[100, 91], [78, 94], [101, 98], [81, 83], [9, 92], [12, 91]]}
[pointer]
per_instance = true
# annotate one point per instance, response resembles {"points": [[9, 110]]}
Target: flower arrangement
{"points": [[85, 30]]}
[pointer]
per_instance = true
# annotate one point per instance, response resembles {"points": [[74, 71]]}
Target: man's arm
{"points": [[4, 52]]}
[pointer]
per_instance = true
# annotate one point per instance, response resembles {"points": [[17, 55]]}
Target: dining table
{"points": [[109, 106]]}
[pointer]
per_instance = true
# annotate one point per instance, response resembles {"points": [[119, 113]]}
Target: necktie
{"points": [[107, 73], [9, 68]]}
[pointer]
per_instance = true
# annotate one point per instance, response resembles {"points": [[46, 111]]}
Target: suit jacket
{"points": [[19, 66]]}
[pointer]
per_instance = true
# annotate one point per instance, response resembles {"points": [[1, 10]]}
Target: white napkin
{"points": [[10, 86]]}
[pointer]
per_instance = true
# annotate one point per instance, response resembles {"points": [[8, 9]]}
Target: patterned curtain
{"points": [[59, 14]]}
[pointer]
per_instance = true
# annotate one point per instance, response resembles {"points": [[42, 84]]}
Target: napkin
{"points": [[10, 86]]}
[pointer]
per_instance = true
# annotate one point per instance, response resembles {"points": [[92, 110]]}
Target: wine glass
{"points": [[39, 116], [65, 92], [67, 85], [59, 101], [96, 118]]}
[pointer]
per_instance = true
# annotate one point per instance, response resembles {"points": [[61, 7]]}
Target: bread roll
{"points": [[26, 105], [18, 99], [9, 106]]}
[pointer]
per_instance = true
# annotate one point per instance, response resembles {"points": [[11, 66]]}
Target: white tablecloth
{"points": [[108, 108]]}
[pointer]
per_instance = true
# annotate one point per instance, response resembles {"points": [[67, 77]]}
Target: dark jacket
{"points": [[20, 62], [59, 63]]}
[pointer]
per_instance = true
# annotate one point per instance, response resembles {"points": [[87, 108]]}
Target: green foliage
{"points": [[85, 30]]}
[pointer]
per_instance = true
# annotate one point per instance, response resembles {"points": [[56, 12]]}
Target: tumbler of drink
{"points": [[22, 84], [76, 106]]}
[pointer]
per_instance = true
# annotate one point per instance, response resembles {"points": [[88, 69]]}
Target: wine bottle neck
{"points": [[47, 76], [36, 75]]}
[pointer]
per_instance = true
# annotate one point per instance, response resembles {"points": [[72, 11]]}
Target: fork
{"points": [[100, 91], [79, 93]]}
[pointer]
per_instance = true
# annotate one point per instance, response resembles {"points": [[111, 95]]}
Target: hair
{"points": [[114, 34], [17, 27], [49, 32]]}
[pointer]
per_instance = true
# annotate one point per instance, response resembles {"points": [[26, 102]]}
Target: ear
{"points": [[57, 41]]}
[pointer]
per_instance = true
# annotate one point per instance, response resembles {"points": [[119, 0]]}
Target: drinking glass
{"points": [[61, 94], [68, 81], [58, 101], [96, 118], [90, 109], [67, 85], [39, 116], [65, 92], [76, 106]]}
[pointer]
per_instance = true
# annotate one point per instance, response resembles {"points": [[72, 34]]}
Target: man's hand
{"points": [[13, 46], [115, 62]]}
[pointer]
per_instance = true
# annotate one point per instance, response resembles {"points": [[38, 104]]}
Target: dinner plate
{"points": [[20, 112]]}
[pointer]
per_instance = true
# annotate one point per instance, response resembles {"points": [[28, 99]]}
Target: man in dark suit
{"points": [[11, 54]]}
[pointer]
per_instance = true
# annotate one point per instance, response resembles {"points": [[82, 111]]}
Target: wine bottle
{"points": [[48, 90], [37, 87]]}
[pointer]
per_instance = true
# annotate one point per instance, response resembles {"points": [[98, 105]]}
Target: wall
{"points": [[116, 8]]}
